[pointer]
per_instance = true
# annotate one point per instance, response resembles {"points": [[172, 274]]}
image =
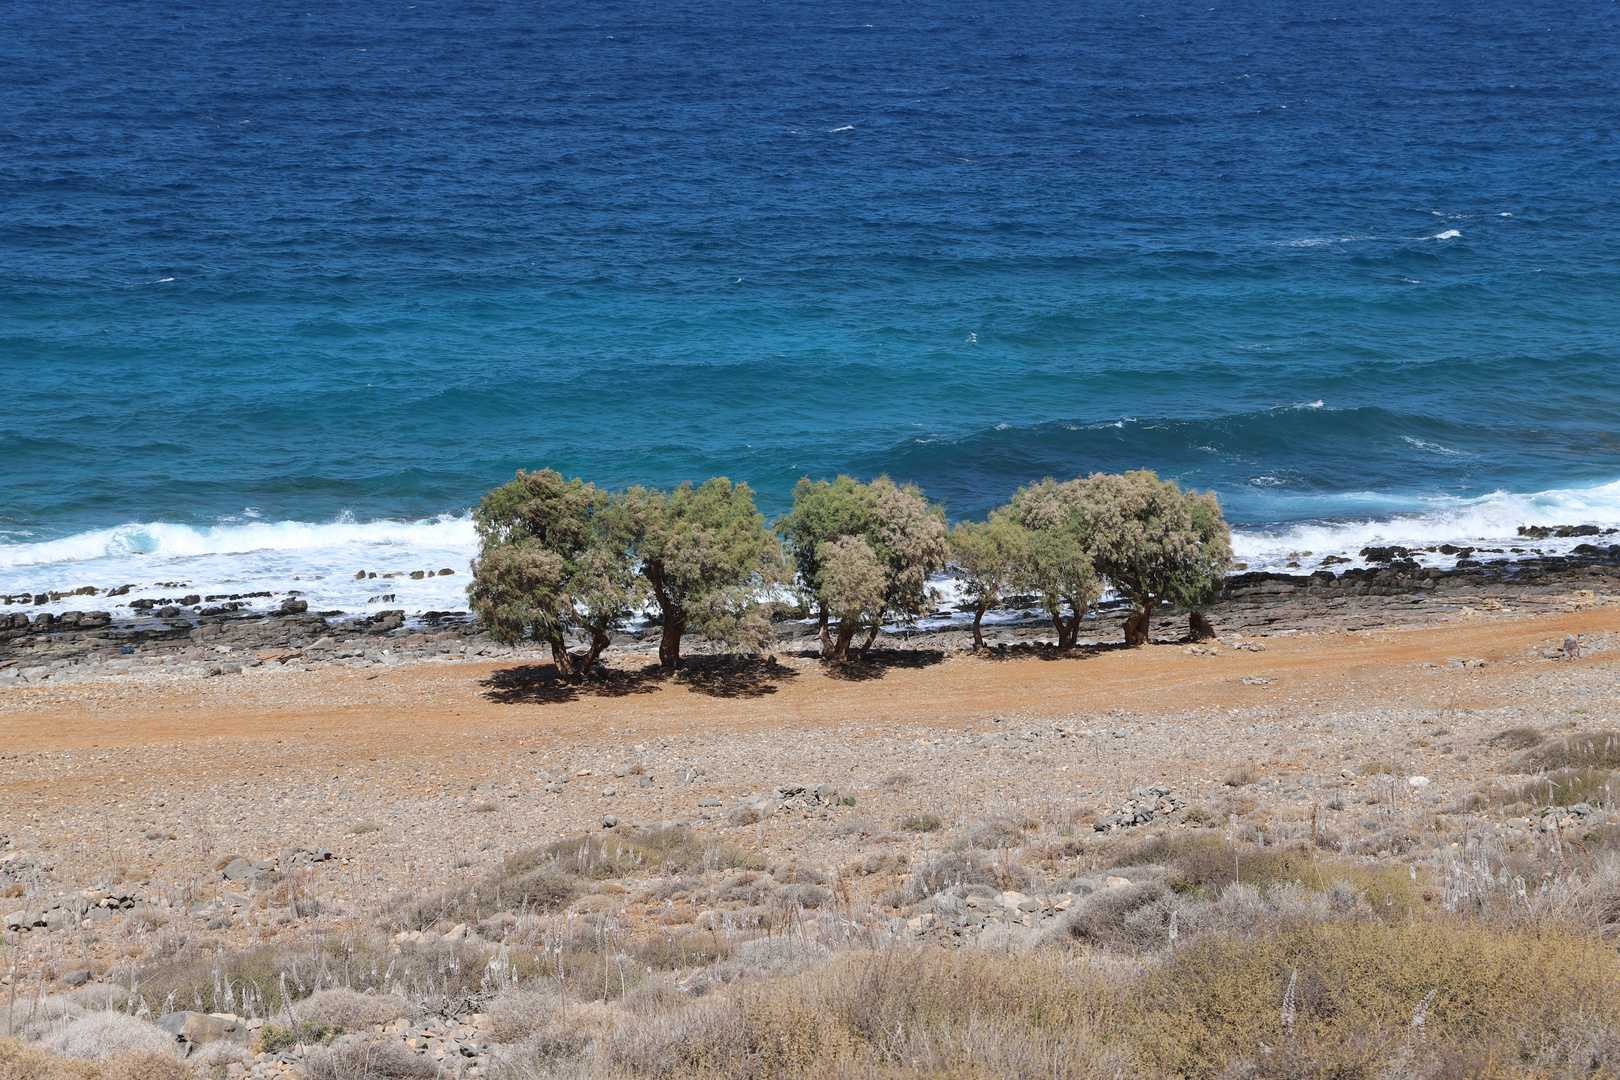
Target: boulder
{"points": [[194, 1029]]}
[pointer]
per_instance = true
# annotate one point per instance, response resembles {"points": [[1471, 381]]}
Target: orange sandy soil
{"points": [[438, 709], [427, 773]]}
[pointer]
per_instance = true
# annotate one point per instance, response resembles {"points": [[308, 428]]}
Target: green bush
{"points": [[273, 1037]]}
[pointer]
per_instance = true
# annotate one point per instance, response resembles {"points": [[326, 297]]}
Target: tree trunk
{"points": [[599, 643], [1068, 632], [1136, 628], [871, 638], [567, 669], [840, 645], [826, 638], [1057, 623], [1198, 627], [978, 616], [669, 646]]}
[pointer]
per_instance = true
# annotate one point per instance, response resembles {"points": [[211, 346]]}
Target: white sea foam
{"points": [[1489, 521], [319, 561], [1449, 234]]}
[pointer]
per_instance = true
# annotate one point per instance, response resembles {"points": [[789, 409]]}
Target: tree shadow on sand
{"points": [[539, 684], [730, 676], [879, 662], [712, 676], [1043, 650]]}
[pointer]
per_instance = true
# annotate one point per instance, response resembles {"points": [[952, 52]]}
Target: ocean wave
{"points": [[346, 565], [1489, 521], [167, 540], [362, 567]]}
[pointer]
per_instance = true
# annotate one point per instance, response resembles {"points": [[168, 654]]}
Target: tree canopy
{"points": [[1056, 566], [1154, 542], [708, 561], [562, 558], [552, 560], [904, 540]]}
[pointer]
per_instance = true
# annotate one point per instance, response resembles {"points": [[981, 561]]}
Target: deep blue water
{"points": [[286, 262]]}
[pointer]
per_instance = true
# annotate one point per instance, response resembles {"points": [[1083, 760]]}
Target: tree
{"points": [[1153, 542], [989, 558], [853, 584], [1056, 564], [906, 538], [553, 559], [709, 562]]}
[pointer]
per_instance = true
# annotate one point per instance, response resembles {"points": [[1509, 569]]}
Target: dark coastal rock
{"points": [[291, 606], [1198, 627], [1543, 532]]}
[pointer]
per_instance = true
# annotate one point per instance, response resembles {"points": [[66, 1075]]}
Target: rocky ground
{"points": [[237, 785]]}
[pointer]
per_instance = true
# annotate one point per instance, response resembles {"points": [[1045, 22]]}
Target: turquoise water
{"points": [[285, 291]]}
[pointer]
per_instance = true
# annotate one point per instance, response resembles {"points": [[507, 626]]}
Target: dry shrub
{"points": [[1594, 750], [20, 1061], [1518, 738], [204, 979], [896, 782], [682, 949], [100, 1035], [799, 874], [517, 1013], [993, 833], [1243, 775], [930, 1012], [349, 1010], [29, 1018], [661, 851], [362, 1057], [921, 823], [963, 868], [881, 862], [1507, 996], [1562, 787], [1129, 918], [546, 878], [1204, 866]]}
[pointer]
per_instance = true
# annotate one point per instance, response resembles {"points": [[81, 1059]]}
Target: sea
{"points": [[285, 287]]}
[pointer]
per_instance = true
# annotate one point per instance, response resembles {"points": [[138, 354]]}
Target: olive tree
{"points": [[989, 558], [553, 559], [904, 535], [708, 561], [1153, 542], [1056, 562]]}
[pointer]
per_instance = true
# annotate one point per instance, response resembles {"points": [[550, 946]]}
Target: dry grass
{"points": [[1203, 866], [20, 1061], [1563, 787], [1519, 998], [921, 823], [1242, 776], [925, 1013], [1518, 738], [344, 1008], [1593, 750], [549, 878]]}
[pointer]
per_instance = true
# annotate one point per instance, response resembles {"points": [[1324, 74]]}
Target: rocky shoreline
{"points": [[196, 636]]}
